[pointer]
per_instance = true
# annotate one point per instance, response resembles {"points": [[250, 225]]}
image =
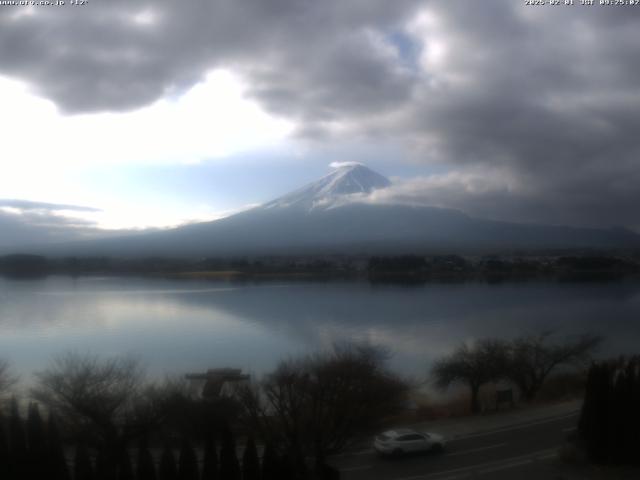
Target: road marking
{"points": [[515, 427], [497, 464], [473, 450], [548, 456], [505, 466]]}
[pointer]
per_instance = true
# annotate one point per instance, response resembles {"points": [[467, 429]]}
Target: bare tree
{"points": [[156, 402], [7, 379], [171, 404], [472, 365], [526, 361], [533, 358], [90, 392], [319, 404]]}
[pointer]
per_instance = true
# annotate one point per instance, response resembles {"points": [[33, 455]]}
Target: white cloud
{"points": [[212, 119], [43, 151], [145, 17], [440, 189], [343, 164], [123, 215]]}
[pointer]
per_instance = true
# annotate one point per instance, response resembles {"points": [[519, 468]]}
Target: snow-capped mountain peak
{"points": [[348, 179]]}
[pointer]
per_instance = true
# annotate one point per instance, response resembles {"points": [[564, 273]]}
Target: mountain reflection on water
{"points": [[179, 326]]}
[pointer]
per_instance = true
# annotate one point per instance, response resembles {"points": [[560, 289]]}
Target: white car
{"points": [[402, 441]]}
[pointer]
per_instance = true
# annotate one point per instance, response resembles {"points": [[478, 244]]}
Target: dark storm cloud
{"points": [[115, 56], [547, 99], [540, 103], [29, 205]]}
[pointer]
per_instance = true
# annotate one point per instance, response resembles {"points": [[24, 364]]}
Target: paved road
{"points": [[521, 451]]}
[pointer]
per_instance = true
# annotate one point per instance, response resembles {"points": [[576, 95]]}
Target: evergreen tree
{"points": [[618, 419], [210, 465], [19, 454], [57, 463], [168, 470], [125, 470], [587, 413], [4, 452], [634, 421], [610, 421], [82, 466], [188, 462], [35, 430], [146, 469], [37, 443], [229, 466], [634, 418], [598, 450], [627, 419], [105, 467], [250, 462], [269, 463], [285, 467]]}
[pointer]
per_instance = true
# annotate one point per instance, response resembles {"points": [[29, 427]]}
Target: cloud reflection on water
{"points": [[178, 326]]}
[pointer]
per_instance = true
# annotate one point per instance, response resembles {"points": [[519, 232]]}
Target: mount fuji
{"points": [[328, 216], [332, 189]]}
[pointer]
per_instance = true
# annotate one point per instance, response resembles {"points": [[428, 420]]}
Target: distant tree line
{"points": [[609, 424], [36, 265], [376, 268], [24, 265], [526, 361], [403, 263]]}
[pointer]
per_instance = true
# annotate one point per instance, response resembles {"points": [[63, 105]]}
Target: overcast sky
{"points": [[119, 114]]}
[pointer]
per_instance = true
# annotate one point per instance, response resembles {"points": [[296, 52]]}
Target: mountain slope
{"points": [[321, 218]]}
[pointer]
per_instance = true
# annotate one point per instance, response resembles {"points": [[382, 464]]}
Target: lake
{"points": [[179, 326]]}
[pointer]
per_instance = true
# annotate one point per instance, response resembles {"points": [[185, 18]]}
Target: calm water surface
{"points": [[180, 326]]}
